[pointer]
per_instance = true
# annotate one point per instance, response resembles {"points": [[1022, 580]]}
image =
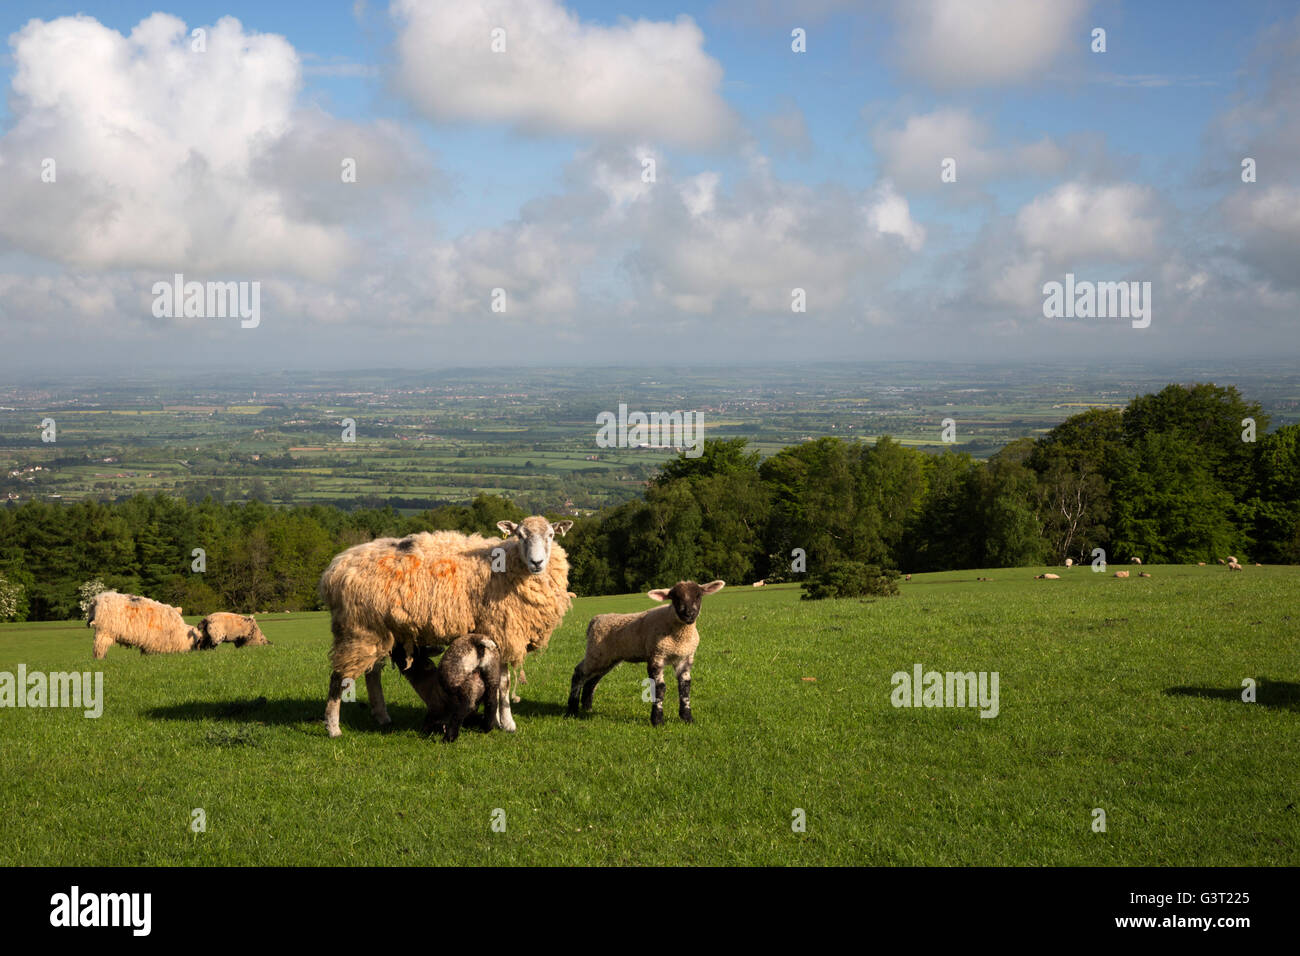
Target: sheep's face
{"points": [[534, 537], [686, 598]]}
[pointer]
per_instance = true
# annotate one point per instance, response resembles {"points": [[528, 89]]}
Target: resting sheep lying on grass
{"points": [[470, 673], [238, 629], [134, 621], [659, 636], [426, 590]]}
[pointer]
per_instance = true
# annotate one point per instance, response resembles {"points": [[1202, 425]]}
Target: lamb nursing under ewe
{"points": [[664, 635], [469, 673]]}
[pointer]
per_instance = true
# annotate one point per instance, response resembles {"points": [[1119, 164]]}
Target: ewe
{"points": [[659, 636], [426, 590], [134, 621]]}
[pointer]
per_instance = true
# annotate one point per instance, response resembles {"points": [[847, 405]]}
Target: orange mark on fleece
{"points": [[444, 567]]}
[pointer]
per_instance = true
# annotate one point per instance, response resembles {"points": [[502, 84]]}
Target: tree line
{"points": [[1174, 477]]}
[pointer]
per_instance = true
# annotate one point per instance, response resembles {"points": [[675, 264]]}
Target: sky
{"points": [[532, 182]]}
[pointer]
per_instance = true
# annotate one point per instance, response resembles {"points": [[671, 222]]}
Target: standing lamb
{"points": [[134, 621], [659, 636], [1135, 560], [237, 629], [470, 673], [1069, 562], [427, 589]]}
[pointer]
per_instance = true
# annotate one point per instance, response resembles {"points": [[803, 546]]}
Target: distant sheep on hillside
{"points": [[237, 629], [133, 621]]}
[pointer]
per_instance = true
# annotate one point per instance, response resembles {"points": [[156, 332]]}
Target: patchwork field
{"points": [[1123, 695]]}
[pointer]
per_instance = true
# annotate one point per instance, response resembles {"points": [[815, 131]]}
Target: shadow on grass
{"points": [[291, 712], [1268, 693]]}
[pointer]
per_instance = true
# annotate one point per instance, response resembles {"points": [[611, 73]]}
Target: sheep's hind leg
{"points": [[683, 669], [655, 669], [375, 691], [589, 686], [575, 688]]}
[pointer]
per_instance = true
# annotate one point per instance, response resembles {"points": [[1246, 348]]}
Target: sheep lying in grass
{"points": [[425, 590], [659, 636], [1121, 574], [469, 674], [133, 621], [237, 629], [1047, 577]]}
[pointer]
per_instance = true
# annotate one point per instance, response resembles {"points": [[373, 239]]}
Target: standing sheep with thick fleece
{"points": [[133, 621], [238, 629], [664, 635], [469, 673], [427, 589]]}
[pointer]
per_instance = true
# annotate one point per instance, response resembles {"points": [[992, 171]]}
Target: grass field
{"points": [[1123, 695]]}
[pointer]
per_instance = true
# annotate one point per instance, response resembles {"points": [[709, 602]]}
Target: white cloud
{"points": [[985, 42], [639, 80], [911, 154], [157, 149], [1077, 221]]}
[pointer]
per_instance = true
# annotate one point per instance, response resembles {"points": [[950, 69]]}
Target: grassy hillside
{"points": [[1123, 695]]}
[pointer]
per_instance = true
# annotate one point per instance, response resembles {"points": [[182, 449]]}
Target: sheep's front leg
{"points": [[375, 690], [655, 669], [332, 705], [504, 720], [683, 669]]}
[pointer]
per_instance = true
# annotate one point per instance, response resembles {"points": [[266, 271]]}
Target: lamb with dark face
{"points": [[664, 635], [469, 673]]}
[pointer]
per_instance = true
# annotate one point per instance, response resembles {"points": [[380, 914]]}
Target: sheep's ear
{"points": [[714, 586], [562, 527], [658, 594], [507, 528]]}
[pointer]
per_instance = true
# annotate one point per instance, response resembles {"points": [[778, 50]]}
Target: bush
{"points": [[851, 579]]}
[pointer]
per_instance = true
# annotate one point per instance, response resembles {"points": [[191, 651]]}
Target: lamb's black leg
{"points": [[575, 687], [656, 671], [589, 688], [684, 693]]}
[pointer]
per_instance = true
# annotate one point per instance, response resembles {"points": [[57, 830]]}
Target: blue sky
{"points": [[774, 170]]}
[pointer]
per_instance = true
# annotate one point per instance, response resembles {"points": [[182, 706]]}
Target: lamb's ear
{"points": [[562, 527], [658, 594], [714, 586], [507, 528]]}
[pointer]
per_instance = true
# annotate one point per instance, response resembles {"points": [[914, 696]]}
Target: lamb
{"points": [[662, 635], [1135, 560], [1069, 562], [238, 629], [1234, 566], [1144, 574], [759, 584], [1232, 559], [470, 673], [427, 589], [1121, 574], [133, 621]]}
